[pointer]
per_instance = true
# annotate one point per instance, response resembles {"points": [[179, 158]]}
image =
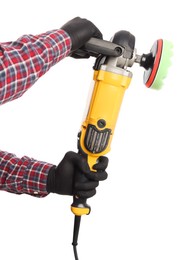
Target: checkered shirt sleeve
{"points": [[23, 175], [24, 61]]}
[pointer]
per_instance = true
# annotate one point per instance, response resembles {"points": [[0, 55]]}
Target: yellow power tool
{"points": [[111, 78]]}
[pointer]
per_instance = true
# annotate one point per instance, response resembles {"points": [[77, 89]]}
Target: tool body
{"points": [[111, 78]]}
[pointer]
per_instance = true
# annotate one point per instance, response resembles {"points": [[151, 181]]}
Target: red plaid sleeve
{"points": [[23, 175], [24, 61]]}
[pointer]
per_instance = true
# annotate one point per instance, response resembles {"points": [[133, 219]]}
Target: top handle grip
{"points": [[97, 46]]}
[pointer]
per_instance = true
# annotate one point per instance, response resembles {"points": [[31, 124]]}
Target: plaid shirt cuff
{"points": [[23, 175]]}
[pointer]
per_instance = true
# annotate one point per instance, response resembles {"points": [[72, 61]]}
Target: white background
{"points": [[141, 211]]}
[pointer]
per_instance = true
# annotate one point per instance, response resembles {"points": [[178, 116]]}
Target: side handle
{"points": [[97, 46]]}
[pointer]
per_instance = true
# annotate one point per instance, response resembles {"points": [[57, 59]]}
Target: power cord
{"points": [[77, 221]]}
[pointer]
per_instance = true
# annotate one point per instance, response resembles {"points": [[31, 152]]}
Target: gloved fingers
{"points": [[85, 194], [83, 166], [86, 24], [80, 31], [97, 176], [102, 164], [85, 189], [86, 186], [80, 54], [96, 32]]}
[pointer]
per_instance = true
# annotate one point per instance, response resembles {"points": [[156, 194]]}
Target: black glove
{"points": [[80, 31], [63, 178]]}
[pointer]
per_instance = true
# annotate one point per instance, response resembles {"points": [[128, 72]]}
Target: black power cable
{"points": [[77, 221]]}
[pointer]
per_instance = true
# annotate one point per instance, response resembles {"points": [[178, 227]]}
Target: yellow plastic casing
{"points": [[77, 211], [108, 92], [106, 100]]}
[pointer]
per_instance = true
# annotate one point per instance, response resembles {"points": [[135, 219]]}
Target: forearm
{"points": [[23, 175], [24, 61]]}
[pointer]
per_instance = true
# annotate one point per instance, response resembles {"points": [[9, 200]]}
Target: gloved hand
{"points": [[63, 178], [80, 31]]}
